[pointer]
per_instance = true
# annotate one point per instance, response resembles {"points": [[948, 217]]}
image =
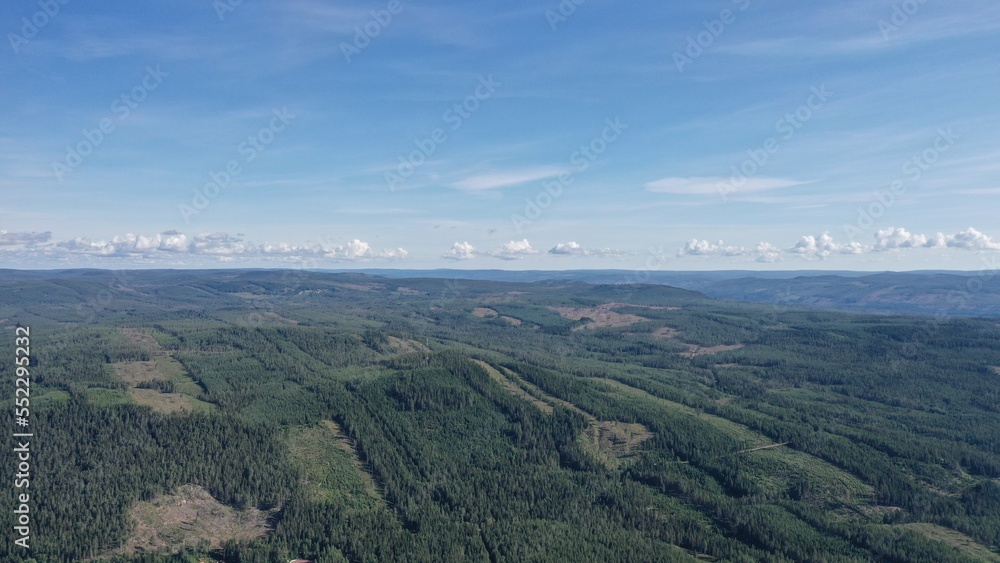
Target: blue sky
{"points": [[708, 135]]}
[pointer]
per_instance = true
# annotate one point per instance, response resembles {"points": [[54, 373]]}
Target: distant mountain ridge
{"points": [[931, 292]]}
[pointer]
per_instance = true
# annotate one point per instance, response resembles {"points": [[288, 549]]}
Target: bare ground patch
{"points": [[759, 448], [407, 346], [487, 313], [401, 346], [187, 517], [666, 332], [362, 286], [601, 316], [281, 318], [410, 291], [134, 373], [142, 339], [695, 350], [615, 442]]}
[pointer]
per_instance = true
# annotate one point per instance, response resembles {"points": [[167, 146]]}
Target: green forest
{"points": [[267, 415]]}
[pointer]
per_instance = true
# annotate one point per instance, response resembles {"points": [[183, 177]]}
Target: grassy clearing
{"points": [[824, 483], [49, 397], [106, 397], [513, 388], [609, 441], [955, 539], [724, 425], [333, 470], [778, 466], [161, 367]]}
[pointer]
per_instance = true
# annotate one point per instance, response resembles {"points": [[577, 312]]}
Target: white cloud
{"points": [[717, 185], [23, 239], [514, 250], [570, 247], [811, 246], [971, 239], [495, 180], [767, 252], [823, 246], [696, 247], [894, 238], [460, 251], [573, 248], [221, 246]]}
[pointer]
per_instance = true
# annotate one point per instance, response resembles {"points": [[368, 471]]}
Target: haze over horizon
{"points": [[739, 134]]}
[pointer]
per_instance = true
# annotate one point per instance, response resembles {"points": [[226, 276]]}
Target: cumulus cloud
{"points": [[514, 250], [221, 244], [824, 246], [763, 252], [696, 247], [460, 251], [23, 239], [573, 248], [218, 245], [895, 238], [971, 239], [767, 252]]}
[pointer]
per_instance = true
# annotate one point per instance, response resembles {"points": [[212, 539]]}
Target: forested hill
{"points": [[262, 416]]}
